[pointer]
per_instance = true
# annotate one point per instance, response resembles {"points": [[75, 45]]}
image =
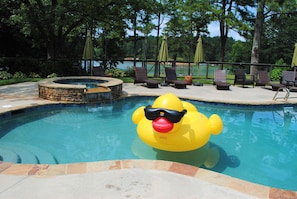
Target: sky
{"points": [[214, 30]]}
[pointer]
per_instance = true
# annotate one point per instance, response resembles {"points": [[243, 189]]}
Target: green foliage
{"points": [[56, 29], [52, 75], [115, 72], [19, 75], [240, 52], [18, 80], [5, 75], [280, 62], [24, 64], [276, 74], [62, 67], [34, 75], [130, 72]]}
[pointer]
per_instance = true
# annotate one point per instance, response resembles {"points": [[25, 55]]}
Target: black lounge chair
{"points": [[220, 80], [172, 79], [97, 71], [240, 78], [264, 79], [141, 77]]}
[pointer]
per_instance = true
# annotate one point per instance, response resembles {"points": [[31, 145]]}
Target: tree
{"points": [[52, 24], [278, 38], [231, 14], [187, 21], [139, 17], [257, 36], [266, 10]]}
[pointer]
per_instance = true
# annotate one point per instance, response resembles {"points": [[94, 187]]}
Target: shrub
{"points": [[130, 72], [276, 74], [5, 75], [115, 72], [19, 75], [52, 75], [34, 75]]}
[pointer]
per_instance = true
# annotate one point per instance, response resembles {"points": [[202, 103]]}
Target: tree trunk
{"points": [[223, 39], [224, 29], [257, 37], [134, 38], [157, 64]]}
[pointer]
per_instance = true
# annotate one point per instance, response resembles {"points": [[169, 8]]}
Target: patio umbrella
{"points": [[163, 54], [88, 53], [199, 53], [294, 60]]}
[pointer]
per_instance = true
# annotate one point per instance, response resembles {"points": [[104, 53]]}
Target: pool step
{"points": [[25, 154], [8, 156]]}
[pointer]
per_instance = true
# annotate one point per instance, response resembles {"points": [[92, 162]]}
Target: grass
{"points": [[18, 80]]}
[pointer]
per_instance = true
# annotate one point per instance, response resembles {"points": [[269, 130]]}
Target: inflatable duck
{"points": [[173, 125]]}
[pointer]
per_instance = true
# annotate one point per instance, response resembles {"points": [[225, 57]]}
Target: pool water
{"points": [[258, 143], [90, 83]]}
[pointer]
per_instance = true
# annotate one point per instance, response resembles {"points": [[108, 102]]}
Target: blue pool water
{"points": [[258, 143], [90, 83]]}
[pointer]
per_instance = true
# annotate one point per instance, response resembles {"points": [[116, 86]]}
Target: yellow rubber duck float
{"points": [[173, 125]]}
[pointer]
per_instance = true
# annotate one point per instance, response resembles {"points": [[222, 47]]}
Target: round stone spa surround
{"points": [[110, 89]]}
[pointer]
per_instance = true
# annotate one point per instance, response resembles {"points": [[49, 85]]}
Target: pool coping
{"points": [[46, 170]]}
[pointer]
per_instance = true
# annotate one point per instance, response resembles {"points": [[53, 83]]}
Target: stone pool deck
{"points": [[131, 178]]}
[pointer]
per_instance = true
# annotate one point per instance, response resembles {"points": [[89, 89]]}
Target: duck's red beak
{"points": [[162, 125]]}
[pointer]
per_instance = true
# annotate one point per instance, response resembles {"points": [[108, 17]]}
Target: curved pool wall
{"points": [[109, 89]]}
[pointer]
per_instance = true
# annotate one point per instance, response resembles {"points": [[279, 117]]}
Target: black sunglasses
{"points": [[171, 115]]}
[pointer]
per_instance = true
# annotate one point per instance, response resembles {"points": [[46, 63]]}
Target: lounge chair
{"points": [[288, 79], [220, 80], [264, 79], [172, 79], [97, 71], [141, 77], [240, 78]]}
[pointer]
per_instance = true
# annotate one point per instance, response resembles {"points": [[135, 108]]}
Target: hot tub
{"points": [[80, 89]]}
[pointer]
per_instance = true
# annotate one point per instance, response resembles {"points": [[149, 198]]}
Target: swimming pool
{"points": [[257, 143]]}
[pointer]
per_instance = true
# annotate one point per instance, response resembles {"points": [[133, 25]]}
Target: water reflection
{"points": [[210, 156]]}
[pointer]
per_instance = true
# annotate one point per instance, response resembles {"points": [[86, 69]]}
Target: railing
{"points": [[203, 69]]}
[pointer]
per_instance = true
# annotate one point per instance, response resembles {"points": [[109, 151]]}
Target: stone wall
{"points": [[62, 94], [50, 90]]}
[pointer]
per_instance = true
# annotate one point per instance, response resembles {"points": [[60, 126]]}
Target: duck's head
{"points": [[166, 113]]}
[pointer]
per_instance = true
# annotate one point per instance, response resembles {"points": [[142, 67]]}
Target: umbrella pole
{"points": [[91, 67], [294, 76]]}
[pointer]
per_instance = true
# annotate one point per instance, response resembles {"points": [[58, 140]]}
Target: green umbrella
{"points": [[199, 53], [88, 53], [294, 60], [163, 54]]}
